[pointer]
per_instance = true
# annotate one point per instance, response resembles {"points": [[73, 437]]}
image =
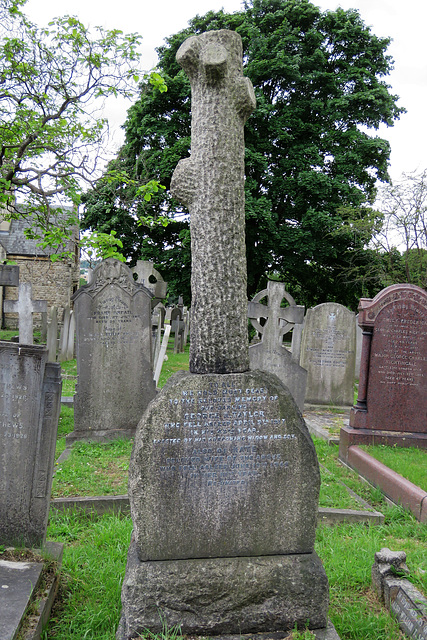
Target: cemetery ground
{"points": [[88, 604]]}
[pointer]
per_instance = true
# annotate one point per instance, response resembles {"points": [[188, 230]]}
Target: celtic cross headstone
{"points": [[270, 354]]}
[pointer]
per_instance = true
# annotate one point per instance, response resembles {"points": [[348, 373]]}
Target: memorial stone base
{"points": [[223, 486], [213, 596]]}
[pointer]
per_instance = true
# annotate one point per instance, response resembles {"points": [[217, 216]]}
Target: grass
{"points": [[411, 463], [175, 362], [95, 559], [93, 470]]}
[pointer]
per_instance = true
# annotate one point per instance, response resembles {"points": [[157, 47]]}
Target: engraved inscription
{"points": [[410, 616], [398, 346], [218, 436]]}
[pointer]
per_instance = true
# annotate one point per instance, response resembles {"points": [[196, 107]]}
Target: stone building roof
{"points": [[15, 242]]}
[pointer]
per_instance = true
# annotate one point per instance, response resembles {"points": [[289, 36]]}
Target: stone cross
{"points": [[211, 184], [25, 307], [280, 320]]}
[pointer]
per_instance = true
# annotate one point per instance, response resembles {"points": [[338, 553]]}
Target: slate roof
{"points": [[15, 242]]}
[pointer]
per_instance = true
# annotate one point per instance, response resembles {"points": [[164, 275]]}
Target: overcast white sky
{"points": [[405, 22]]}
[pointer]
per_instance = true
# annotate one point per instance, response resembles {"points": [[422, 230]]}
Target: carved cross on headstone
{"points": [[280, 320], [25, 307], [211, 183]]}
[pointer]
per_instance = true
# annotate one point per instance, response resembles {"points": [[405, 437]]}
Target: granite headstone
{"points": [[30, 394], [113, 351], [224, 479], [391, 405], [328, 353]]}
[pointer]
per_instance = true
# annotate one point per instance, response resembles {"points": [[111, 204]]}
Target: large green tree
{"points": [[319, 79]]}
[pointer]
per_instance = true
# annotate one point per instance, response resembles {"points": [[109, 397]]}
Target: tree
{"points": [[53, 82], [403, 206], [319, 83]]}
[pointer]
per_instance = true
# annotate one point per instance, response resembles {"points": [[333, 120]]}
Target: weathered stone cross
{"points": [[280, 320], [211, 183], [25, 307]]}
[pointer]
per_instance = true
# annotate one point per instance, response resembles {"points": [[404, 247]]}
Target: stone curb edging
{"points": [[102, 504], [45, 604], [393, 485]]}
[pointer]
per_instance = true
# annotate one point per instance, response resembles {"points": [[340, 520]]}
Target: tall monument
{"points": [[224, 478]]}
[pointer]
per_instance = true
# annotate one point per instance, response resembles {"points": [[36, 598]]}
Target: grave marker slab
{"points": [[113, 350], [17, 582], [30, 394], [270, 354], [9, 275], [328, 353], [392, 396]]}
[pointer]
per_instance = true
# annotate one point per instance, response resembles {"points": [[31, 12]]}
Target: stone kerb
{"points": [[114, 354]]}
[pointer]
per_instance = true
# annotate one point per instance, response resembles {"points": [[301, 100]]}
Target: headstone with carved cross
{"points": [[25, 306], [224, 479], [270, 354]]}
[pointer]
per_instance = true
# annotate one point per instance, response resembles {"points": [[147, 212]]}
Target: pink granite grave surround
{"points": [[393, 374]]}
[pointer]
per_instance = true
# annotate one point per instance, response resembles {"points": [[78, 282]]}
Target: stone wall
{"points": [[51, 281]]}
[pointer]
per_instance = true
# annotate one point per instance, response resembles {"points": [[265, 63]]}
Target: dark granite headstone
{"points": [[114, 368], [392, 397], [328, 352], [30, 394], [224, 479]]}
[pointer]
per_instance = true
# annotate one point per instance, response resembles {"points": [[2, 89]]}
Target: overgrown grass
{"points": [[94, 470], [175, 362], [95, 559], [410, 462], [69, 377]]}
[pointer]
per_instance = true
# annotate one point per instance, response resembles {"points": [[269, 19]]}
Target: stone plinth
{"points": [[224, 595], [223, 486]]}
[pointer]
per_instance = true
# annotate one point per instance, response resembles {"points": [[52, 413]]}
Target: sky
{"points": [[404, 22]]}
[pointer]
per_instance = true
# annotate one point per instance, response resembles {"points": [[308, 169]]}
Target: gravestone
{"points": [[9, 275], [358, 348], [328, 353], [52, 334], [270, 354], [25, 306], [113, 351], [391, 405], [177, 328], [63, 335], [224, 479], [147, 275], [30, 394]]}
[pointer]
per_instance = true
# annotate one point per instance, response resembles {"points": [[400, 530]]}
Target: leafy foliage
{"points": [[318, 79], [53, 83]]}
